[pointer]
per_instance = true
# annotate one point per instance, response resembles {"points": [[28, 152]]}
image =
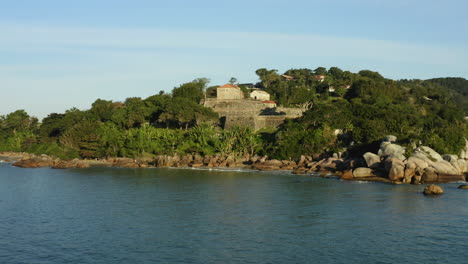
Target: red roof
{"points": [[228, 85], [269, 102]]}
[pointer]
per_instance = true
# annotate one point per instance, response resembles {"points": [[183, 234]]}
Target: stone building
{"points": [[260, 95], [269, 103], [229, 92]]}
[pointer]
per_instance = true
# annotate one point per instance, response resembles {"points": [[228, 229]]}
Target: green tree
{"points": [[193, 90], [102, 110]]}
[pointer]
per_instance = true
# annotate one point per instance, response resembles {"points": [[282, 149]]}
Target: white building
{"points": [[260, 95]]}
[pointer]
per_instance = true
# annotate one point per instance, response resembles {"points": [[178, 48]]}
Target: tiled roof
{"points": [[228, 85]]}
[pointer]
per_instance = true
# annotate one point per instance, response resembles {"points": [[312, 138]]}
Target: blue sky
{"points": [[55, 55]]}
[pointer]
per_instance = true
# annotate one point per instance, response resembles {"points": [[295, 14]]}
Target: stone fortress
{"points": [[256, 112]]}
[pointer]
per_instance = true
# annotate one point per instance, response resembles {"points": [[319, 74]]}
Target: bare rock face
{"points": [[450, 158], [75, 163], [429, 175], [453, 160], [395, 168], [126, 163], [35, 162], [445, 167], [268, 165], [363, 172], [301, 160], [414, 169], [390, 138], [463, 165], [388, 149], [372, 160], [433, 190], [429, 153]]}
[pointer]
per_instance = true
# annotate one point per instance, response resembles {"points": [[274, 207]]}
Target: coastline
{"points": [[350, 169]]}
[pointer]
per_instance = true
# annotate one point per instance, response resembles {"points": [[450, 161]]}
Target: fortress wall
{"points": [[269, 121], [241, 121], [250, 113], [291, 112]]}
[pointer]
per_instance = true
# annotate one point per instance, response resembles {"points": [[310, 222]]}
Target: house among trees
{"points": [[229, 92], [287, 77], [260, 95], [320, 77], [268, 103]]}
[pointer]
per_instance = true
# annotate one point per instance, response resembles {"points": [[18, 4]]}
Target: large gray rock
{"points": [[450, 158], [390, 138], [414, 168], [445, 167], [372, 160], [422, 156], [431, 154], [395, 168], [388, 149], [363, 172], [463, 165], [430, 175], [415, 162], [453, 160]]}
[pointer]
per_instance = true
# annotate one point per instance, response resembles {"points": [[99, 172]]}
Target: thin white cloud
{"points": [[132, 41]]}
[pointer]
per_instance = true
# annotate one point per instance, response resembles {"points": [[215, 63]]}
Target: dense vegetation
{"points": [[348, 112]]}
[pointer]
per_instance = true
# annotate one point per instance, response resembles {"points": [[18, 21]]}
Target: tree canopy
{"points": [[348, 112]]}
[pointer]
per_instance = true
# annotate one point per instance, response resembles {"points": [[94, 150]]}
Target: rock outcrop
{"points": [[32, 161], [372, 160], [363, 172], [390, 165], [394, 150], [428, 154], [395, 168], [75, 163], [424, 166], [433, 190]]}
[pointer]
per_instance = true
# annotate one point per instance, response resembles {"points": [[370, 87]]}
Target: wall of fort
{"points": [[250, 113]]}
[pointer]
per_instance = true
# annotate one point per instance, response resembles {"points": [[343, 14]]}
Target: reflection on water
{"points": [[105, 215]]}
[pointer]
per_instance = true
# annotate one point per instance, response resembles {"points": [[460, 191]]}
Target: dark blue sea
{"points": [[104, 215]]}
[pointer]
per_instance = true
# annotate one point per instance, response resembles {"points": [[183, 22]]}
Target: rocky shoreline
{"points": [[389, 165]]}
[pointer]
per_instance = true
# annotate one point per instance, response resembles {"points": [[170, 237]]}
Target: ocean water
{"points": [[104, 215]]}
